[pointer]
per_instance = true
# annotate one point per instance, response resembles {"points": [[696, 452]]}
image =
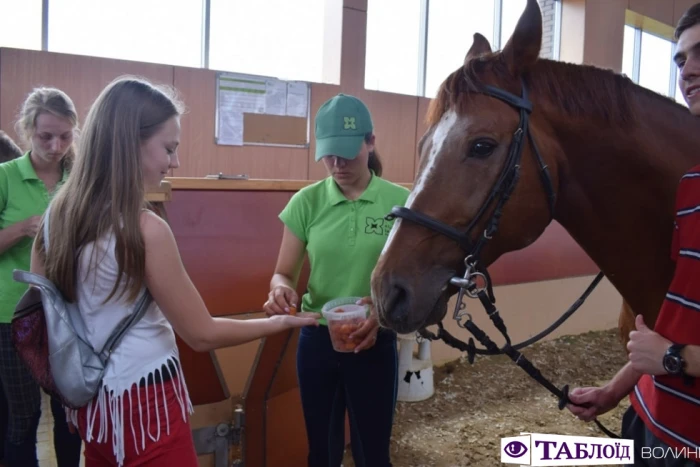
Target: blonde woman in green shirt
{"points": [[339, 223], [47, 123]]}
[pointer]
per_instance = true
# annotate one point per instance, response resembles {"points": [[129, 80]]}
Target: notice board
{"points": [[263, 111]]}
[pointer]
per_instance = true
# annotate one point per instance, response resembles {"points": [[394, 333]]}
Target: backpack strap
{"points": [[46, 228], [33, 279], [125, 324]]}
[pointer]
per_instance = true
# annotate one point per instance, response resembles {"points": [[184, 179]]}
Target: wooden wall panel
{"points": [[394, 117], [573, 27], [355, 4], [229, 242], [354, 42], [81, 77], [660, 10], [286, 376], [421, 127], [604, 33], [554, 255], [285, 433], [205, 382], [237, 361], [679, 7], [256, 398], [200, 156]]}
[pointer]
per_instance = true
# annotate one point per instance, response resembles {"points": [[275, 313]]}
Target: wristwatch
{"points": [[674, 364]]}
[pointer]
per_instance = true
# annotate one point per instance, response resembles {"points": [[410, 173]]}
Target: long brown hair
{"points": [[105, 192], [8, 149], [52, 101], [374, 162]]}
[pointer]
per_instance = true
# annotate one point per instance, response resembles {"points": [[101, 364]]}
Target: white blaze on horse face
{"points": [[442, 129]]}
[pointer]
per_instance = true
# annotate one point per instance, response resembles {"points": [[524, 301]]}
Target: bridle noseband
{"points": [[476, 282]]}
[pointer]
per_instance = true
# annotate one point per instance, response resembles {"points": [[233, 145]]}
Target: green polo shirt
{"points": [[343, 238], [22, 195]]}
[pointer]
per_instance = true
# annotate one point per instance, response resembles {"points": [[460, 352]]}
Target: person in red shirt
{"points": [[662, 376]]}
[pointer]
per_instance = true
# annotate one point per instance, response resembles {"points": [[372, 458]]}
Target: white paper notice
{"points": [[231, 128], [242, 94], [275, 97], [297, 99]]}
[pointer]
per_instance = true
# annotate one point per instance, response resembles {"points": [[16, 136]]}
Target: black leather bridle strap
{"points": [[428, 222], [515, 101], [509, 176], [545, 176]]}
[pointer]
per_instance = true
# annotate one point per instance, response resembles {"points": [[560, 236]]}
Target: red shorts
{"points": [[172, 448]]}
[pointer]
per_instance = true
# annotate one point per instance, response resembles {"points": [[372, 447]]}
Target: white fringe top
{"points": [[142, 353]]}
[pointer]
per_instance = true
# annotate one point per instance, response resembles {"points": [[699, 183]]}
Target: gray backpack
{"points": [[50, 338]]}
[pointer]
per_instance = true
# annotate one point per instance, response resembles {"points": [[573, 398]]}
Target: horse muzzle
{"points": [[407, 306]]}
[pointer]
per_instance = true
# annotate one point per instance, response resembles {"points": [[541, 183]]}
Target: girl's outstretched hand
{"points": [[299, 320]]}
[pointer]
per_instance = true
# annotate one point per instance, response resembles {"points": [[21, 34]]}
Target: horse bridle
{"points": [[476, 282], [501, 192]]}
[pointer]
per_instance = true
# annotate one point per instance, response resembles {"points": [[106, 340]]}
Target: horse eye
{"points": [[481, 149]]}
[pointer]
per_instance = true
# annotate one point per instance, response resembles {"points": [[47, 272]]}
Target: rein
{"points": [[476, 282]]}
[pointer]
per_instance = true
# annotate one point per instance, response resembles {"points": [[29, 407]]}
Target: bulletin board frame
{"points": [[247, 99]]}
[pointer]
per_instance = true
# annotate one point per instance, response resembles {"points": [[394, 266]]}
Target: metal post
{"points": [[674, 74], [206, 32], [637, 56], [556, 45], [45, 25], [497, 9], [423, 46]]}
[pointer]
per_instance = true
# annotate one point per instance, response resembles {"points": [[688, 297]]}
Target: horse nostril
{"points": [[398, 303]]}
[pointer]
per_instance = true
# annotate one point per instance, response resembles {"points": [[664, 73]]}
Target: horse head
{"points": [[464, 156], [514, 142]]}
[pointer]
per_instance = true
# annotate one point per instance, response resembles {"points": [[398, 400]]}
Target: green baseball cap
{"points": [[341, 125]]}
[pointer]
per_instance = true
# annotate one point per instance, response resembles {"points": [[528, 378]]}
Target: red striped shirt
{"points": [[671, 409]]}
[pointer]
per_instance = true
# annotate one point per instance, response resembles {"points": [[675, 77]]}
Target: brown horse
{"points": [[615, 153]]}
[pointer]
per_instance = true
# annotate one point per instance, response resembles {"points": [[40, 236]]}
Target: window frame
{"points": [[637, 22], [495, 40]]}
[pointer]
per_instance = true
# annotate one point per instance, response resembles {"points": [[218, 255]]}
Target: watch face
{"points": [[672, 364]]}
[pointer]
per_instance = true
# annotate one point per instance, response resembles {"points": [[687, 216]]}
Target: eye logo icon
{"points": [[515, 449]]}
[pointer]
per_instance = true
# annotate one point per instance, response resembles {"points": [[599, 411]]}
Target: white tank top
{"points": [[142, 353]]}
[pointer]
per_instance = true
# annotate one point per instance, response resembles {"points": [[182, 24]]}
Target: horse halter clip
{"points": [[476, 282]]}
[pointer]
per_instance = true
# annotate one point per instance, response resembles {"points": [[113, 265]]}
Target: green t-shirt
{"points": [[22, 195], [343, 238]]}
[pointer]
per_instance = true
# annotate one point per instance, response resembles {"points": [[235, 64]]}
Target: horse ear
{"points": [[480, 46], [523, 47]]}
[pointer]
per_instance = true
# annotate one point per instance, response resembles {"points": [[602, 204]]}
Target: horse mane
{"points": [[578, 90]]}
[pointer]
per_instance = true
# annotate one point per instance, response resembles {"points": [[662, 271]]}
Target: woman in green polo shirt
{"points": [[340, 224], [47, 123]]}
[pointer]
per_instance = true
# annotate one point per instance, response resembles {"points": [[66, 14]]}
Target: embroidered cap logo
{"points": [[349, 123]]}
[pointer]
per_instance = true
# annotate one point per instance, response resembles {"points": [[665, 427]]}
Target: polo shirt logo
{"points": [[349, 123], [374, 226]]}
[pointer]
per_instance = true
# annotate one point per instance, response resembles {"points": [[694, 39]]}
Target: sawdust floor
{"points": [[475, 405]]}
